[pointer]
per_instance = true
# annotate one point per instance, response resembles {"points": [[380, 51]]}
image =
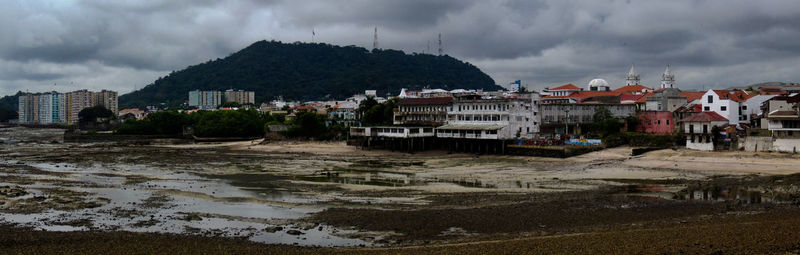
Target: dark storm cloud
{"points": [[127, 44]]}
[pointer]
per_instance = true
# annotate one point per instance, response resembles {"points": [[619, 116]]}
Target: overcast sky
{"points": [[122, 45]]}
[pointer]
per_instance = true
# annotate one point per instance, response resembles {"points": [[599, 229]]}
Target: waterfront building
{"points": [[698, 129], [431, 111], [478, 117], [574, 118]]}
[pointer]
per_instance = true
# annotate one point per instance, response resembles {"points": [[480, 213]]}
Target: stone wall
{"points": [[757, 143], [786, 145], [702, 146]]}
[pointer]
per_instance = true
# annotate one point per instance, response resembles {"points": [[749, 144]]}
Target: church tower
{"points": [[667, 79], [632, 78]]}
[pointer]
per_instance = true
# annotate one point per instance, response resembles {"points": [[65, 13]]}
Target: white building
{"points": [[732, 104], [698, 129], [475, 117], [752, 107]]}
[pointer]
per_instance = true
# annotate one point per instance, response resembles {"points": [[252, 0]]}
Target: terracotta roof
{"points": [[705, 117], [630, 97], [692, 95], [632, 88], [566, 87], [426, 101], [303, 107], [735, 95], [644, 97]]}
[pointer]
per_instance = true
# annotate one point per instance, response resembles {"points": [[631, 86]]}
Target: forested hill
{"points": [[8, 107], [305, 71]]}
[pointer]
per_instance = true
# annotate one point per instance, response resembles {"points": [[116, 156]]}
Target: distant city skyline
{"points": [[124, 45]]}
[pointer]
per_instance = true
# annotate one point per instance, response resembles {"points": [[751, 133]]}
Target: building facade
{"points": [[698, 130], [574, 118], [240, 96], [430, 111], [54, 107], [205, 99], [501, 118]]}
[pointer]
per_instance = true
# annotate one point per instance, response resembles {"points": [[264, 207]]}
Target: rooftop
{"points": [[633, 88], [426, 101], [705, 117], [566, 87]]}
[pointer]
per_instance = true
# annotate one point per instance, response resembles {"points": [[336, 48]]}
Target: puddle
{"points": [[734, 193], [173, 202]]}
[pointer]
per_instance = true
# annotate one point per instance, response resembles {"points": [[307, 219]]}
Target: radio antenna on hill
{"points": [[375, 39], [440, 44]]}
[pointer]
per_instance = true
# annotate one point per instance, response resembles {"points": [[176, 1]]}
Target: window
{"points": [[659, 122], [667, 122], [710, 99], [691, 130], [723, 108], [744, 108], [705, 129], [706, 108]]}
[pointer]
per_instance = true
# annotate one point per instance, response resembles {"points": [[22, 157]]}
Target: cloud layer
{"points": [[122, 45]]}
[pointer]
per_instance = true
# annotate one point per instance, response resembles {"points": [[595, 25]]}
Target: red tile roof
{"points": [[630, 97], [692, 95], [644, 97], [632, 88], [426, 101], [735, 95], [566, 87], [705, 117]]}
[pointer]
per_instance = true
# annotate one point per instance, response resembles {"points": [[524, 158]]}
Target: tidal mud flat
{"points": [[331, 195]]}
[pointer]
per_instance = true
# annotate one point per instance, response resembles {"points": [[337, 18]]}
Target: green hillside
{"points": [[305, 71], [8, 107]]}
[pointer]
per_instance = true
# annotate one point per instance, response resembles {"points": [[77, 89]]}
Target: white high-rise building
{"points": [[667, 79]]}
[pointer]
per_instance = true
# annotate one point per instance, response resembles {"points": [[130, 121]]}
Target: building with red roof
{"points": [[636, 89], [563, 90], [698, 128]]}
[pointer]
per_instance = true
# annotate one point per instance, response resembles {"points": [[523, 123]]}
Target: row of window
{"points": [[448, 131]]}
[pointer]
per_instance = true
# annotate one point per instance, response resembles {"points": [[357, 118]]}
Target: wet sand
{"points": [[330, 194]]}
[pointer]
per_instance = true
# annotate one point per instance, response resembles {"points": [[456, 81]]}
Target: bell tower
{"points": [[667, 79], [632, 78]]}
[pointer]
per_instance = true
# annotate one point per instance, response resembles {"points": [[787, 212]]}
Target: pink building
{"points": [[656, 122]]}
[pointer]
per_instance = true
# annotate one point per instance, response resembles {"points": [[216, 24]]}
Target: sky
{"points": [[123, 45]]}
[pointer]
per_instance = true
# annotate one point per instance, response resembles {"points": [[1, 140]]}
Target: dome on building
{"points": [[598, 83]]}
